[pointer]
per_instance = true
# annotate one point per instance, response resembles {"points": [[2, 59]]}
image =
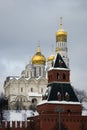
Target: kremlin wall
{"points": [[59, 108]]}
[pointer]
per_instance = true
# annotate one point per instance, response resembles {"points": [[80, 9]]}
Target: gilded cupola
{"points": [[38, 58], [61, 35], [51, 58]]}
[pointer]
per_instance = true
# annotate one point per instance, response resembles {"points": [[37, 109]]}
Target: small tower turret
{"points": [[59, 72]]}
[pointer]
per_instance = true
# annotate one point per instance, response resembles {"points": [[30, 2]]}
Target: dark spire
{"points": [[59, 63]]}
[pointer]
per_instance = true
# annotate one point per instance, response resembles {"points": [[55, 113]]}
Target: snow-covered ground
{"points": [[12, 115], [18, 115]]}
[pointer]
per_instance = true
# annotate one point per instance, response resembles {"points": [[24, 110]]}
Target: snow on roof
{"points": [[42, 102], [26, 78], [33, 94], [18, 115], [14, 77], [58, 68], [58, 102]]}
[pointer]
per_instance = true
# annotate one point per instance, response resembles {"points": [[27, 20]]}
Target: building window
{"points": [[21, 99], [31, 89], [64, 76], [30, 74], [35, 71], [21, 89], [40, 71], [41, 90], [57, 75]]}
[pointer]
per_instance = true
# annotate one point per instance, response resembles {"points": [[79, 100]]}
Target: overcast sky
{"points": [[25, 22]]}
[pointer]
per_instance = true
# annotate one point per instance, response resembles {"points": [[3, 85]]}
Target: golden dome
{"points": [[38, 58], [61, 31], [51, 58], [61, 35]]}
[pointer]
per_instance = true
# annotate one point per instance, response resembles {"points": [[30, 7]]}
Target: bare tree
{"points": [[3, 105], [33, 104], [82, 96]]}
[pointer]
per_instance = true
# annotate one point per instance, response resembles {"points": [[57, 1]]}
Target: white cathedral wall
{"points": [[42, 85], [22, 87], [32, 85]]}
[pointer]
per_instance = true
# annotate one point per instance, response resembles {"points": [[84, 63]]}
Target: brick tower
{"points": [[60, 109]]}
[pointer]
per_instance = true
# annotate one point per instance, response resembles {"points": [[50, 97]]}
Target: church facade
{"points": [[31, 84], [22, 90]]}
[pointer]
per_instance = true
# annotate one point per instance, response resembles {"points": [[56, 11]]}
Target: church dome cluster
{"points": [[38, 58]]}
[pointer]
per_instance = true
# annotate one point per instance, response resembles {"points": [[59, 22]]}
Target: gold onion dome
{"points": [[38, 58], [51, 58], [61, 31]]}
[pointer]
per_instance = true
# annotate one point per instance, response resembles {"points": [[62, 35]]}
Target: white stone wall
{"points": [[22, 86]]}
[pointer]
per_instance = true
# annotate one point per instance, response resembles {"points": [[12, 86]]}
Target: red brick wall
{"points": [[51, 122], [58, 76], [74, 109]]}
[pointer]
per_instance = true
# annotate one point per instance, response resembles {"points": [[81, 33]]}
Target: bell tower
{"points": [[61, 43]]}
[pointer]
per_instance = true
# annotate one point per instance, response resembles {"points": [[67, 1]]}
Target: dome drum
{"points": [[61, 38]]}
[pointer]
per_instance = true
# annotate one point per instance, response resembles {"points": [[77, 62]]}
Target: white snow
{"points": [[58, 102], [18, 115], [52, 68], [84, 113], [19, 77], [33, 94], [22, 115]]}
